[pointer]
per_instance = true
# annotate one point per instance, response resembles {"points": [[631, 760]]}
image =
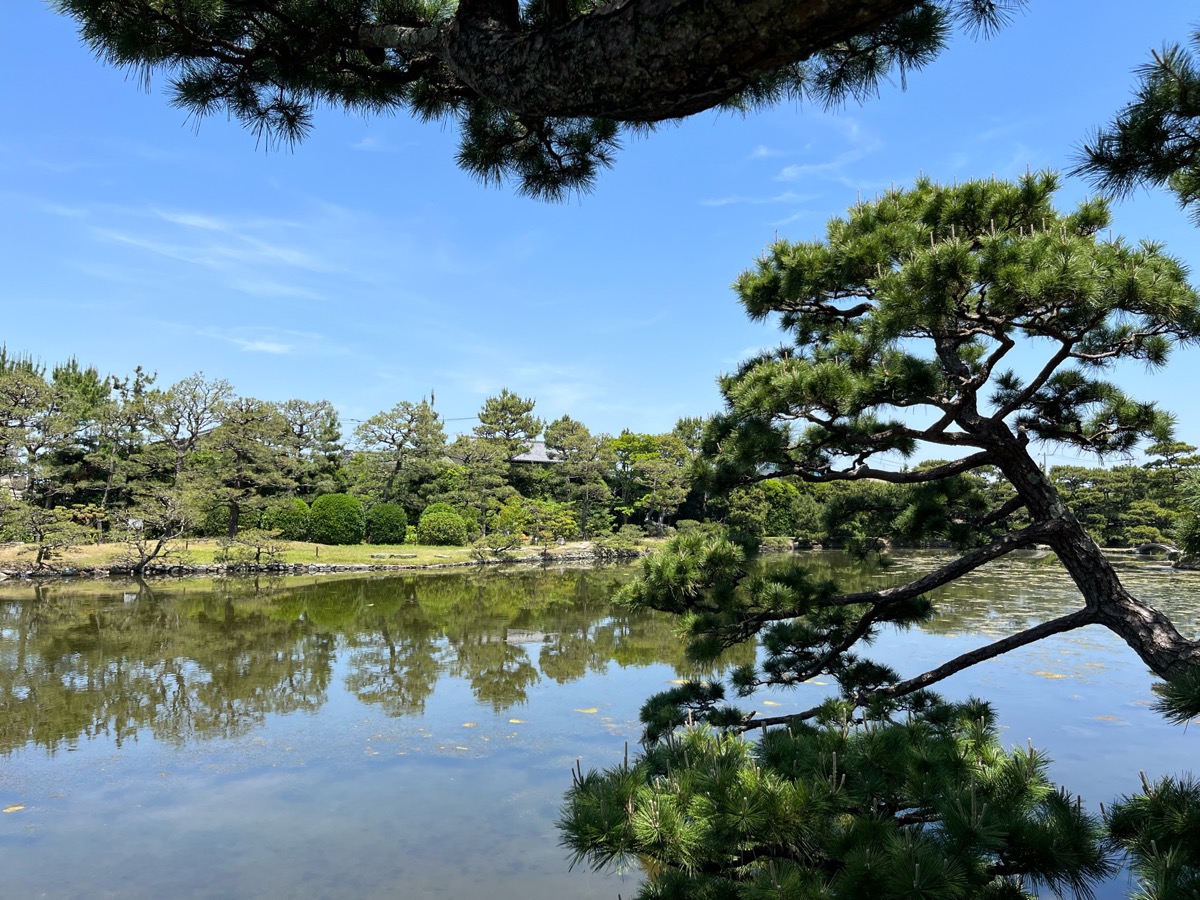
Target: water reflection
{"points": [[411, 735], [190, 660]]}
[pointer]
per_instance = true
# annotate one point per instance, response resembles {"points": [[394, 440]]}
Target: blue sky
{"points": [[364, 268]]}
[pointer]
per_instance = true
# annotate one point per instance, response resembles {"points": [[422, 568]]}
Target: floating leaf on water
{"points": [[1046, 674], [516, 721], [769, 703], [470, 724], [589, 710], [16, 807]]}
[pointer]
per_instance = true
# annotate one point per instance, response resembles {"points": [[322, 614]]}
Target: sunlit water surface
{"points": [[412, 736]]}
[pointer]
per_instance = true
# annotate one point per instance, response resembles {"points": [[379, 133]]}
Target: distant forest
{"points": [[86, 457]]}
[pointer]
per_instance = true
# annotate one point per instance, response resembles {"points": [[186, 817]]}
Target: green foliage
{"points": [[1155, 139], [336, 519], [47, 532], [626, 541], [214, 520], [288, 519], [928, 807], [913, 302], [1159, 830], [1179, 697], [442, 527], [1117, 505], [401, 451], [387, 523], [509, 420], [410, 534], [269, 64], [252, 547]]}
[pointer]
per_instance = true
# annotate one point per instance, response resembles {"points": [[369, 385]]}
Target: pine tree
{"points": [[914, 301], [541, 90], [1155, 140]]}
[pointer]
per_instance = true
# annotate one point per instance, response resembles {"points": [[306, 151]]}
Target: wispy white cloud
{"points": [[764, 152], [64, 211], [371, 144], [857, 144], [274, 342], [263, 346], [735, 199]]}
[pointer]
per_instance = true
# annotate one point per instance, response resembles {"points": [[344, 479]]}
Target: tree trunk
{"points": [[1150, 633]]}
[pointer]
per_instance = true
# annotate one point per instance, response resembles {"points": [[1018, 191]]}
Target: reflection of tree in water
{"points": [[196, 659], [499, 672], [183, 669]]}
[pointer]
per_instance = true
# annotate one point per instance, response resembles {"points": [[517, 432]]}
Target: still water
{"points": [[411, 736]]}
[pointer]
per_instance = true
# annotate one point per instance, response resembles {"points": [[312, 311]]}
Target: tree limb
{"points": [[1062, 624]]}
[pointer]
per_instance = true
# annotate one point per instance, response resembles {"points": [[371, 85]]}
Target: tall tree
{"points": [[584, 462], [314, 448], [915, 301], [541, 90], [508, 419], [245, 457], [181, 415], [120, 427], [664, 479], [478, 480], [650, 476], [406, 444]]}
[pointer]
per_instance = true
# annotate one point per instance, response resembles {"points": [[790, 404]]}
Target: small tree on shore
{"points": [[901, 326]]}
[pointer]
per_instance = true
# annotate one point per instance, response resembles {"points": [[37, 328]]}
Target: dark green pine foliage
{"points": [[899, 328], [585, 76], [1155, 140], [922, 807], [1159, 830]]}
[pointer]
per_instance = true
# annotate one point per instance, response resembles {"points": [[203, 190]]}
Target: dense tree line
{"points": [[86, 457]]}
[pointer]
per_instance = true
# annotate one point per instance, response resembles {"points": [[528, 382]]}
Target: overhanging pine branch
{"points": [[1062, 624], [642, 60]]}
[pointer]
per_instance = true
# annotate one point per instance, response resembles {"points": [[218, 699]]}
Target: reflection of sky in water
{"points": [[460, 800]]}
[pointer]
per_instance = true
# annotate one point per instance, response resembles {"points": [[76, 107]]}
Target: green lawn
{"points": [[203, 551]]}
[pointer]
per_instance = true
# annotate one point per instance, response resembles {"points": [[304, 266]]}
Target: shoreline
{"points": [[203, 570]]}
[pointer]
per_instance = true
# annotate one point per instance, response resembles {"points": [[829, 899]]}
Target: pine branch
{"points": [[1069, 622]]}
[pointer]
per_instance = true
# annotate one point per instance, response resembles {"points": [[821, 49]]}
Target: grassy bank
{"points": [[17, 557]]}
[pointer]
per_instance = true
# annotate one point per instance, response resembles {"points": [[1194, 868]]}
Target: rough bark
{"points": [[1145, 629], [639, 60]]}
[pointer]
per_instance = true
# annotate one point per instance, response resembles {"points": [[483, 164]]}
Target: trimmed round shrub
{"points": [[336, 519], [289, 519], [386, 524], [441, 528]]}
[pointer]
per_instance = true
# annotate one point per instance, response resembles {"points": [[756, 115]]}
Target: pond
{"points": [[371, 736]]}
